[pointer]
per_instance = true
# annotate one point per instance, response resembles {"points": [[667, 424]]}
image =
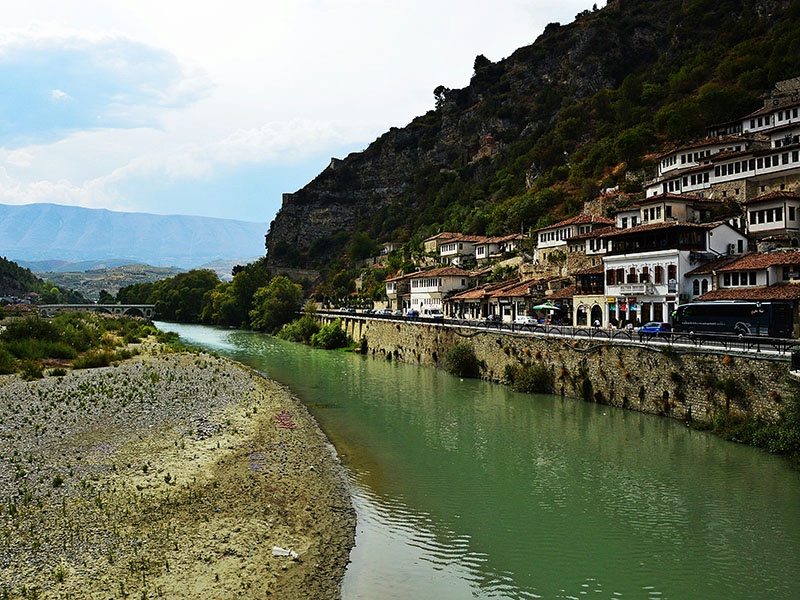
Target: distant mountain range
{"points": [[49, 232]]}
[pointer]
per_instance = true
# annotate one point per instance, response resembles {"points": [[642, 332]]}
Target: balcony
{"points": [[632, 289]]}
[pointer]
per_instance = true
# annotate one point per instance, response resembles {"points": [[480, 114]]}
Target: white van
{"points": [[432, 313]]}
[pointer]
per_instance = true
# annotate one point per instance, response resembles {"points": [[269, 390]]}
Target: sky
{"points": [[218, 108]]}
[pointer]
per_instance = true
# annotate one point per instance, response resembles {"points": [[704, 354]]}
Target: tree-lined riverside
{"points": [[466, 489]]}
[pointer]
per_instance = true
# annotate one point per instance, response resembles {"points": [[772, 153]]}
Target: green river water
{"points": [[464, 489]]}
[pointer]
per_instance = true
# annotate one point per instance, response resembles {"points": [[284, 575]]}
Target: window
{"points": [[611, 278], [791, 213], [696, 287], [659, 274], [631, 275], [644, 277], [672, 272], [705, 285]]}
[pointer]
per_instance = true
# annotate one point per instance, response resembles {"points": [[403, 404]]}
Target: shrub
{"points": [[531, 379], [32, 370], [8, 363], [331, 336], [93, 360], [462, 362], [300, 330]]}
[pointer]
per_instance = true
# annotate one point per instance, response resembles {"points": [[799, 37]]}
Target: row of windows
{"points": [[787, 140], [620, 276], [559, 234], [738, 279], [426, 282], [634, 222], [452, 247], [694, 157], [771, 215], [785, 115], [735, 168], [761, 122]]}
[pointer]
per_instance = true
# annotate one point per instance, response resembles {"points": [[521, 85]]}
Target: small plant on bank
{"points": [[531, 379], [461, 361], [32, 370]]}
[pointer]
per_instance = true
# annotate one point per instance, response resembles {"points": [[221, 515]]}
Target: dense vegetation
{"points": [[252, 300], [80, 340]]}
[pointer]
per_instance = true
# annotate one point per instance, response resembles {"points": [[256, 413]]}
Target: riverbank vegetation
{"points": [[31, 344], [778, 437], [461, 361]]}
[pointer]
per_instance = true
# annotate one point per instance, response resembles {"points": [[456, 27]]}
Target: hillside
{"points": [[41, 232], [536, 135], [90, 283]]}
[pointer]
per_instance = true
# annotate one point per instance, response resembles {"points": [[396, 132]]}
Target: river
{"points": [[464, 489]]}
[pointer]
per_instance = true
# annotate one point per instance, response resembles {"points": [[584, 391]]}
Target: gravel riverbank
{"points": [[171, 475]]}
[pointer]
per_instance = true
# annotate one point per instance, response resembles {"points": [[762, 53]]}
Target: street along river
{"points": [[464, 489]]}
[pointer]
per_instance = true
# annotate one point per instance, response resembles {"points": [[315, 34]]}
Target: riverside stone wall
{"points": [[650, 378]]}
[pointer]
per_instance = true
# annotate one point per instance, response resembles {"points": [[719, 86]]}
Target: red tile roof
{"points": [[757, 261], [776, 195], [781, 291], [564, 293], [658, 226], [715, 265], [440, 272], [578, 220]]}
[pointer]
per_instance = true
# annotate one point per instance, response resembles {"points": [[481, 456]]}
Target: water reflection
{"points": [[464, 489]]}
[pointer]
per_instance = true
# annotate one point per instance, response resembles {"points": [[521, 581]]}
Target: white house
{"points": [[644, 266], [429, 288], [775, 215], [554, 237]]}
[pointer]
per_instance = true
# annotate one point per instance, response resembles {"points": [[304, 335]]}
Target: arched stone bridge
{"points": [[131, 310]]}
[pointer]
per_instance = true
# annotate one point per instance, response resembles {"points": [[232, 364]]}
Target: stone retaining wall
{"points": [[649, 378]]}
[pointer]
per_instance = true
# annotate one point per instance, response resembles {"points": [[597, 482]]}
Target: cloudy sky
{"points": [[217, 108]]}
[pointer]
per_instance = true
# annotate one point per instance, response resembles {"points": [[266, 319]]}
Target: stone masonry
{"points": [[650, 378]]}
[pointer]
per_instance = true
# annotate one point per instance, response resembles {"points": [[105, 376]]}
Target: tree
{"points": [[275, 304], [361, 247], [105, 298]]}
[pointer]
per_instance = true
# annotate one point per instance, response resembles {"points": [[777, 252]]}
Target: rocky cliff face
{"points": [[513, 101]]}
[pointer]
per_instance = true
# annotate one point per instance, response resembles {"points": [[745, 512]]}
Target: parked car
{"points": [[433, 313], [654, 328], [493, 319], [397, 312], [383, 311], [412, 313], [525, 320]]}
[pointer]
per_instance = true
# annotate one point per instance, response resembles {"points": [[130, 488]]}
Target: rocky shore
{"points": [[171, 475]]}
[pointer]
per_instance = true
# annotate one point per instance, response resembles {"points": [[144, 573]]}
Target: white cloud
{"points": [[118, 104]]}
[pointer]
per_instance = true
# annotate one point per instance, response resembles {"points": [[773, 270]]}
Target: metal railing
{"points": [[709, 341]]}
